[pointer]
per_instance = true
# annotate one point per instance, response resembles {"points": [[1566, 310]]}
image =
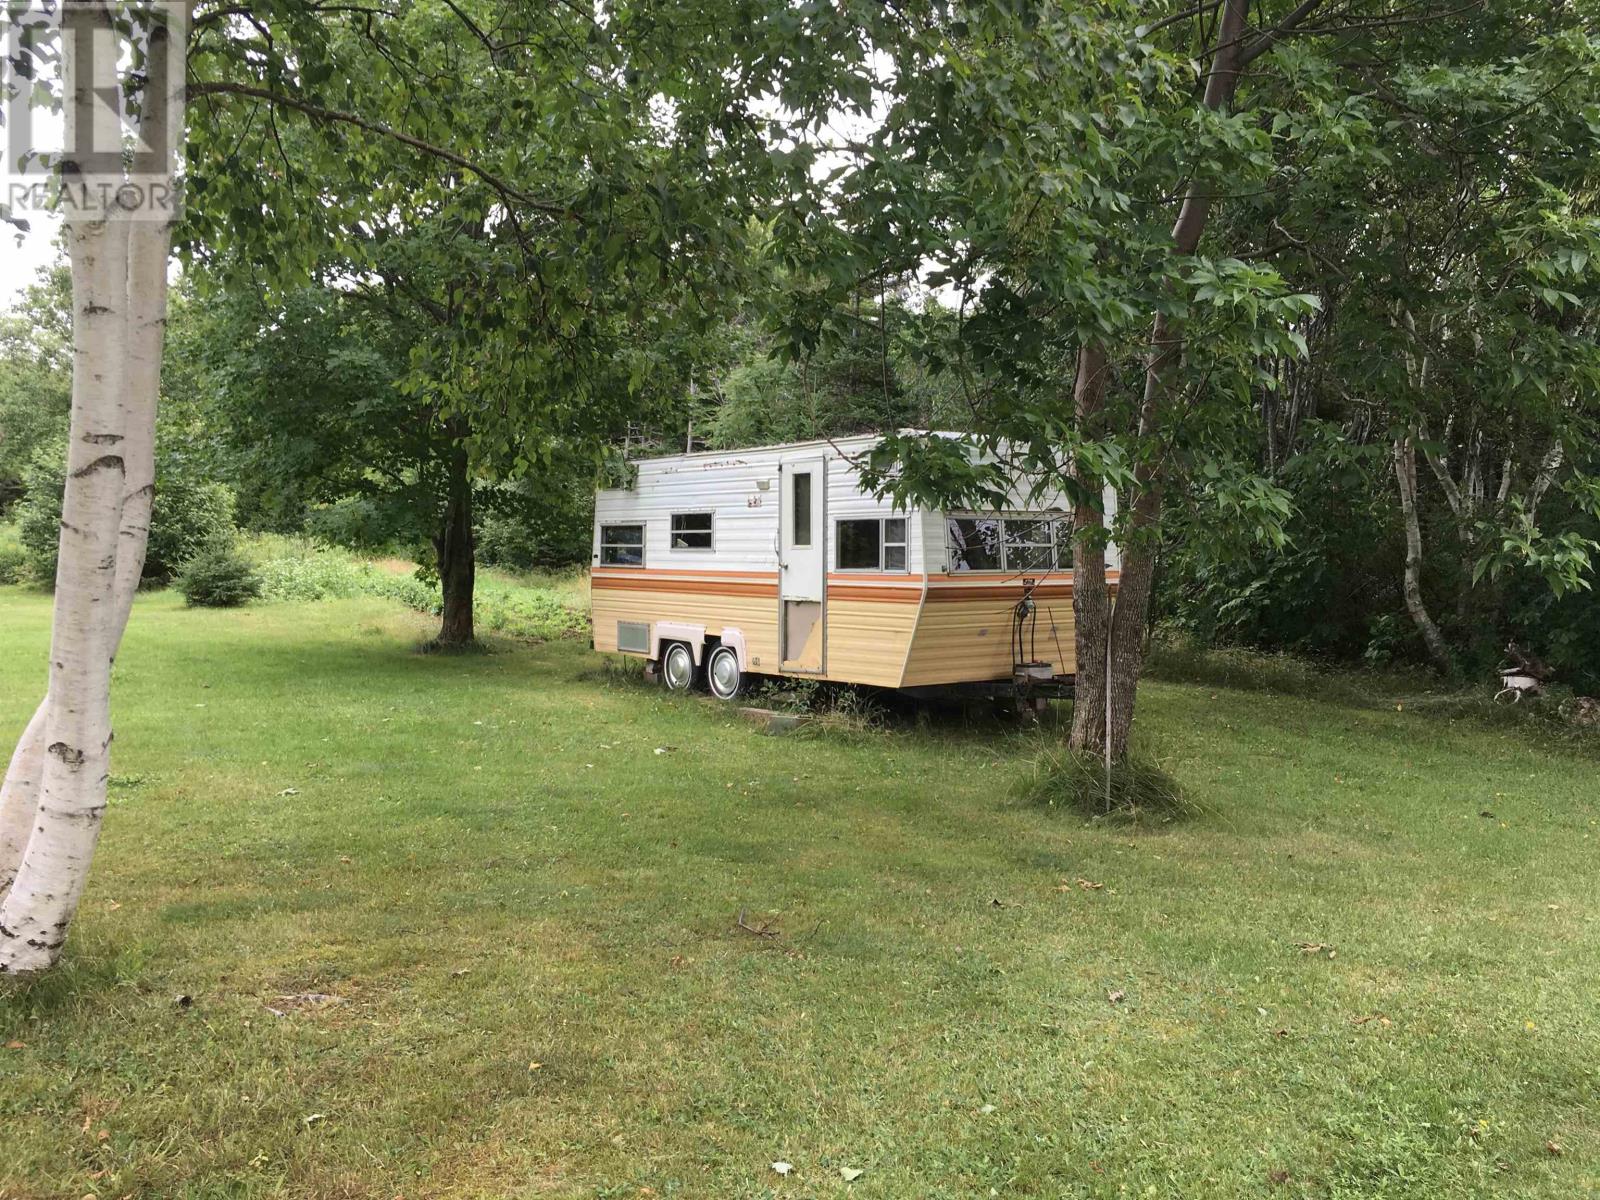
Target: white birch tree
{"points": [[118, 235]]}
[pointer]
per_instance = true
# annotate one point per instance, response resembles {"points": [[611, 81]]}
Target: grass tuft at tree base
{"points": [[1063, 778]]}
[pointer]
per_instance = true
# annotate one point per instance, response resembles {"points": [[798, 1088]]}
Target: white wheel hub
{"points": [[677, 668], [722, 672]]}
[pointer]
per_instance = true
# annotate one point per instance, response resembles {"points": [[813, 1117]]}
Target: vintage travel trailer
{"points": [[726, 565]]}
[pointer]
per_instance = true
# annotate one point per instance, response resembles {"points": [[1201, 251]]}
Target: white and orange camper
{"points": [[722, 566]]}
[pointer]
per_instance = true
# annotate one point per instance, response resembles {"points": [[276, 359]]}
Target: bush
{"points": [[300, 569], [13, 558], [536, 522], [189, 513], [39, 520], [1062, 778], [218, 576]]}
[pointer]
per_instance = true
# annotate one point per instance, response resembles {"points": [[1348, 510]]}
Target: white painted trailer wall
{"points": [[728, 484], [923, 626]]}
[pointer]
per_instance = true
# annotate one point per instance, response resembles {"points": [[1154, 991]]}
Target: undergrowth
{"points": [[301, 569], [1061, 778]]}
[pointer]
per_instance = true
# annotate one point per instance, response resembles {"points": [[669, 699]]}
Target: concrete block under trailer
{"points": [[722, 566]]}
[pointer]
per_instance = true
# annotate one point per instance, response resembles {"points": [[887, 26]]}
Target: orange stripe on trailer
{"points": [[882, 595], [903, 578], [675, 572], [998, 592], [698, 587]]}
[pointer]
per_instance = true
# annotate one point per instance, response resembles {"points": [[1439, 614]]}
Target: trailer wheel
{"points": [[723, 675], [677, 668]]}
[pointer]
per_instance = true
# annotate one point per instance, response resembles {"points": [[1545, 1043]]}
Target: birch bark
{"points": [[53, 795]]}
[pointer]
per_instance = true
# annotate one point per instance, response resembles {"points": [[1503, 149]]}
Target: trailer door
{"points": [[802, 562]]}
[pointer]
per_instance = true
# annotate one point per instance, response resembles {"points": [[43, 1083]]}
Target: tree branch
{"points": [[318, 113], [1269, 38]]}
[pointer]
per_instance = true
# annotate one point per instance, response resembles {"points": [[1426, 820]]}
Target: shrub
{"points": [[536, 522], [39, 519], [13, 558], [300, 569], [218, 576], [1062, 778], [189, 513]]}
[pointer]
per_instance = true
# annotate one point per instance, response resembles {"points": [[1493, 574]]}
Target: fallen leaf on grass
{"points": [[290, 792], [535, 1066], [1278, 1176], [1378, 1017], [1116, 996], [1089, 885], [1316, 948], [459, 972], [1553, 1148], [15, 1045], [313, 1119], [850, 1174], [782, 1168]]}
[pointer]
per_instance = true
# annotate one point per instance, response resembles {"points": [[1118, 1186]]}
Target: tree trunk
{"points": [[1091, 598], [1405, 473], [77, 728], [19, 795], [148, 246], [454, 546], [1120, 631]]}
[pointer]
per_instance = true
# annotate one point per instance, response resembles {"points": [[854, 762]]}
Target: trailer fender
{"points": [[673, 631], [734, 639]]}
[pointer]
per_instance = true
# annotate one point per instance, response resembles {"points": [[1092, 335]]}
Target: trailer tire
{"points": [[677, 667], [723, 675]]}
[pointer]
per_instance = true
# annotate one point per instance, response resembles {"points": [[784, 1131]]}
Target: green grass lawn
{"points": [[528, 913]]}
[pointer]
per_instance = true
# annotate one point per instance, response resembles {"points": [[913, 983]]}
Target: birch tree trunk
{"points": [[53, 796], [149, 244], [1405, 473], [77, 725]]}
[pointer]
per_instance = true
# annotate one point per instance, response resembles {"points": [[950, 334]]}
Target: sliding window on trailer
{"points": [[622, 544], [871, 544], [1017, 544]]}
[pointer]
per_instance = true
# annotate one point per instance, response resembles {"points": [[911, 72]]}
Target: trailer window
{"points": [[1029, 545], [691, 531], [1021, 545], [801, 522], [974, 544], [1063, 544], [894, 544], [872, 545], [622, 545]]}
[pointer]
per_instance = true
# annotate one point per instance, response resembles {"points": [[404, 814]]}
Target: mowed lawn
{"points": [[522, 881]]}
